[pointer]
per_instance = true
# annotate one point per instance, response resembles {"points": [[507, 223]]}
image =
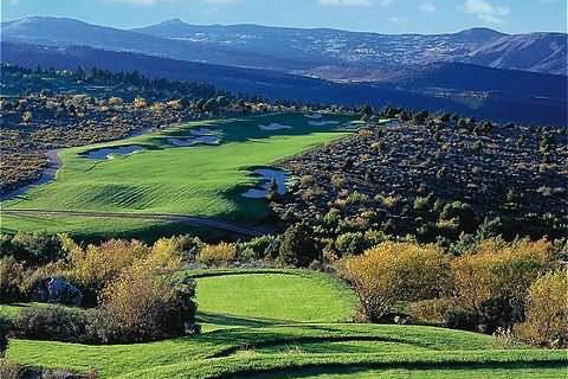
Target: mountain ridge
{"points": [[302, 51], [476, 91]]}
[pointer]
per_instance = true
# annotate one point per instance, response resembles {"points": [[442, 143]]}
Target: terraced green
{"points": [[273, 298], [199, 180], [264, 340]]}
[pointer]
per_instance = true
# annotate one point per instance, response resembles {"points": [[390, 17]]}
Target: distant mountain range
{"points": [[478, 72], [327, 53]]}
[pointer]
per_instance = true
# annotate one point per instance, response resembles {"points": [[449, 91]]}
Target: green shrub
{"points": [[350, 243], [298, 247], [190, 246], [357, 198], [332, 217], [462, 213], [53, 323], [5, 327], [32, 248], [12, 276], [459, 318], [422, 204], [261, 247]]}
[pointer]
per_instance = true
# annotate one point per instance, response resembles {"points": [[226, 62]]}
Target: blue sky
{"points": [[384, 16]]}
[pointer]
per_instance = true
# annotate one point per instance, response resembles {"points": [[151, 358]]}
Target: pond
{"points": [[109, 152], [267, 177]]}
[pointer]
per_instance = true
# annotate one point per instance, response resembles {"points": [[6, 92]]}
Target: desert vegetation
{"points": [[437, 177]]}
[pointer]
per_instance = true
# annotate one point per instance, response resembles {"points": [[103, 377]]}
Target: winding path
{"points": [[168, 217], [47, 175]]}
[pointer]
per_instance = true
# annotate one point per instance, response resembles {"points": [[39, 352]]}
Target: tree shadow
{"points": [[235, 321]]}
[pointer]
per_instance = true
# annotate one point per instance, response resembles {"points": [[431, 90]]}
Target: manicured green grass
{"points": [[249, 334], [294, 365], [199, 180], [515, 372], [272, 298], [244, 346]]}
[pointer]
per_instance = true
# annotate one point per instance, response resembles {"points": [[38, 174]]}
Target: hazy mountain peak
{"points": [[481, 32], [173, 22]]}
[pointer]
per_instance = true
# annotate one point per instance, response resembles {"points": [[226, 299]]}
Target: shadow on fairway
{"points": [[234, 321]]}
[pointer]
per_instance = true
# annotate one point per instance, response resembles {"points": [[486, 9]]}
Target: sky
{"points": [[382, 16]]}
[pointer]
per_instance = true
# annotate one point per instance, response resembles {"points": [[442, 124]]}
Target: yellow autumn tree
{"points": [[496, 268], [547, 311], [97, 265], [219, 254], [392, 271]]}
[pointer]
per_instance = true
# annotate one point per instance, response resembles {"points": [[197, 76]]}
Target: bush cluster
{"points": [[127, 286], [394, 271], [219, 254], [495, 285]]}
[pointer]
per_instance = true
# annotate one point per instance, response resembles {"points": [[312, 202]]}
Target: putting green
{"points": [[251, 298]]}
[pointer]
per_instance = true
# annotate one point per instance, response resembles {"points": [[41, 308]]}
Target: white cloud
{"points": [[485, 11], [146, 2], [357, 3], [427, 8], [351, 3]]}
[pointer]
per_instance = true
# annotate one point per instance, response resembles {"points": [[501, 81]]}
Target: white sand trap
{"points": [[315, 116], [192, 141], [203, 132], [323, 123], [354, 124], [274, 126], [110, 152]]}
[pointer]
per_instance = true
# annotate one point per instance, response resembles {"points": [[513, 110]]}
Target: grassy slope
{"points": [[258, 339], [200, 180]]}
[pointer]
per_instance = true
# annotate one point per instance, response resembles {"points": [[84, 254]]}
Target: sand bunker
{"points": [[314, 116], [203, 132], [109, 152], [192, 141], [267, 177], [274, 126], [354, 124], [323, 123]]}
